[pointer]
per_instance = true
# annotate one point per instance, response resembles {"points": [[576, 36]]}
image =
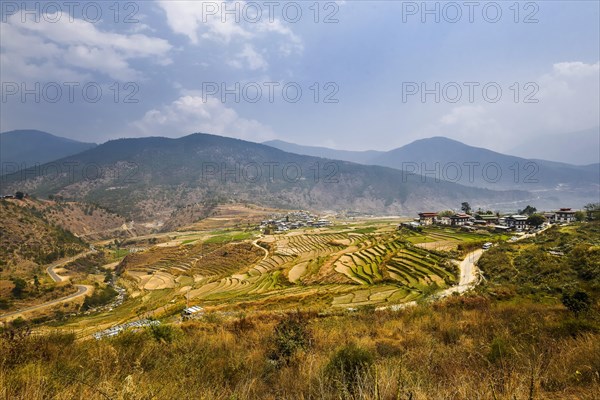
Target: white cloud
{"points": [[208, 21], [568, 101], [191, 113], [252, 59], [68, 47]]}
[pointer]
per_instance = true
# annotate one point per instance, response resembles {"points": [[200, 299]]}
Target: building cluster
{"points": [[497, 222], [115, 330], [292, 220]]}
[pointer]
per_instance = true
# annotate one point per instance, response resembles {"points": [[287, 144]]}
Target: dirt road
{"points": [[469, 277]]}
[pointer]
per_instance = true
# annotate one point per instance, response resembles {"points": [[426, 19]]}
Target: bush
{"points": [[162, 333], [574, 327], [498, 350], [348, 365], [291, 334], [577, 302], [99, 297]]}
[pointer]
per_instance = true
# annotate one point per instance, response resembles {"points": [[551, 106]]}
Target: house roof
{"points": [[460, 216], [192, 310], [565, 211], [428, 214], [518, 217], [487, 216]]}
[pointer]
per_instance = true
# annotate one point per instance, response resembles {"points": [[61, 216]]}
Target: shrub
{"points": [[99, 297], [577, 302], [291, 334], [162, 333], [498, 350], [348, 365], [575, 327]]}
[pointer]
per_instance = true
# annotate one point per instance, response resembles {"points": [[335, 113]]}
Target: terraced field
{"points": [[202, 261], [344, 268]]}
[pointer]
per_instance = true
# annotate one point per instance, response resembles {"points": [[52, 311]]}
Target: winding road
{"points": [[81, 289]]}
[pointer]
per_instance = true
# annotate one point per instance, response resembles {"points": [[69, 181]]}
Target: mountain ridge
{"points": [[146, 178], [24, 148], [449, 159]]}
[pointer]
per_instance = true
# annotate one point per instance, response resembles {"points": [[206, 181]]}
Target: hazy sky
{"points": [[373, 75]]}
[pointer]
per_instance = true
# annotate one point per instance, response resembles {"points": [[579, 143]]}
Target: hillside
{"points": [[87, 221], [28, 237], [560, 260], [148, 178], [21, 149]]}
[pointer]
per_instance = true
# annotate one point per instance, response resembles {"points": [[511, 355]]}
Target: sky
{"points": [[353, 75]]}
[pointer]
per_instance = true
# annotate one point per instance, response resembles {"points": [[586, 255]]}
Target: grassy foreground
{"points": [[461, 348]]}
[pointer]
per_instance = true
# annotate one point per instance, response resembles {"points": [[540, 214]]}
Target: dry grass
{"points": [[466, 349]]}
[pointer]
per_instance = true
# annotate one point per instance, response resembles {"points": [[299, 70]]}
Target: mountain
{"points": [[146, 179], [489, 168], [579, 148], [360, 157], [440, 158], [22, 149]]}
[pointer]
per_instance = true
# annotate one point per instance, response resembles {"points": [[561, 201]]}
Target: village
{"points": [[293, 220], [526, 220]]}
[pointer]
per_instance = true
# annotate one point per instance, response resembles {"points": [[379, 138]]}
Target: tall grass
{"points": [[468, 349]]}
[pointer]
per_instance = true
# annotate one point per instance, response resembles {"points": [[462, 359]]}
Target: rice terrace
{"points": [[342, 267]]}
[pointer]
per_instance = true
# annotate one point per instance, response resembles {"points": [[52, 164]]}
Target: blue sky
{"points": [[168, 55]]}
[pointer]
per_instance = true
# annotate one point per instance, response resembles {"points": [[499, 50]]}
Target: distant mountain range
{"points": [[577, 148], [450, 160], [148, 178], [21, 149]]}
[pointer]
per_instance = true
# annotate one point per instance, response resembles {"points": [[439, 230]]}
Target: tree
{"points": [[19, 195], [466, 207], [536, 220], [20, 285], [580, 216], [576, 302], [592, 210], [529, 210]]}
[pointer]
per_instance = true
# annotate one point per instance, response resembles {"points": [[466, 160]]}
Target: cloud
{"points": [[71, 49], [252, 59], [568, 100], [191, 113], [238, 35]]}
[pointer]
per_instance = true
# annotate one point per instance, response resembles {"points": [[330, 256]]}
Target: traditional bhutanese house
{"points": [[487, 219], [550, 216], [564, 215], [443, 220], [501, 228], [427, 218], [516, 221], [459, 219]]}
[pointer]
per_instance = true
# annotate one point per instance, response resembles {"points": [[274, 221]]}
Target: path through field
{"points": [[469, 277]]}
